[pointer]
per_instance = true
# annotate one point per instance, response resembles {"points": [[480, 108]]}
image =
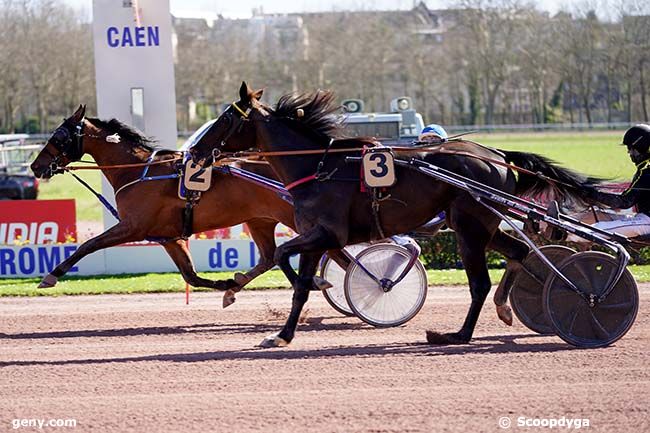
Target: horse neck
{"points": [[109, 154], [272, 138]]}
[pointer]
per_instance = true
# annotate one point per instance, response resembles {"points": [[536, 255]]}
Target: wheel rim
{"points": [[335, 275], [574, 320], [368, 299], [526, 294], [335, 295]]}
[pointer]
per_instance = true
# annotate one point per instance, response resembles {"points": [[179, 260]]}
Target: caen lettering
{"points": [[133, 36]]}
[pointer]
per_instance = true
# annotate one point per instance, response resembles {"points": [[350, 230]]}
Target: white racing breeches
{"points": [[629, 226]]}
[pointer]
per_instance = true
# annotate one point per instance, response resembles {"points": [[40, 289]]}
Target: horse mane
{"points": [[126, 132], [318, 107], [319, 117]]}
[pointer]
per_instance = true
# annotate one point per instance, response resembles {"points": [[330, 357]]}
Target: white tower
{"points": [[134, 69]]}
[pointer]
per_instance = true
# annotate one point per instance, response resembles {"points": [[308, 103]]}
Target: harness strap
{"points": [[300, 182], [375, 212], [595, 214], [120, 189], [242, 112], [188, 218], [100, 197]]}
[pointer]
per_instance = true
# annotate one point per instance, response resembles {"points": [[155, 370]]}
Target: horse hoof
{"points": [[321, 283], [274, 340], [437, 338], [505, 314], [228, 298], [49, 281], [241, 279]]}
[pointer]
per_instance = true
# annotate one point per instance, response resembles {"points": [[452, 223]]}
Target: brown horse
{"points": [[152, 209]]}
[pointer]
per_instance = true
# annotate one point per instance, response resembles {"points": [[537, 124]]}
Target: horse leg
{"points": [[307, 270], [263, 234], [341, 259], [311, 246], [472, 250], [118, 234], [515, 251], [180, 255]]}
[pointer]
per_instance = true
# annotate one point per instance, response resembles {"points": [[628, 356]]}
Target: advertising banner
{"points": [[37, 222], [209, 255]]}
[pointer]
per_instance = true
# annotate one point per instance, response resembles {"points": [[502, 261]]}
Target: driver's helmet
{"points": [[433, 133], [638, 137]]}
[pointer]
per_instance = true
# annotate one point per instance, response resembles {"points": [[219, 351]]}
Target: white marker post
{"points": [[134, 70]]}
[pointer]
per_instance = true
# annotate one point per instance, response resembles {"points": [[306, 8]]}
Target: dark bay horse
{"points": [[331, 211], [152, 209]]}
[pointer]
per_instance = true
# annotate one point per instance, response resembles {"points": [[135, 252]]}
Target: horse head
{"points": [[64, 146], [234, 129]]}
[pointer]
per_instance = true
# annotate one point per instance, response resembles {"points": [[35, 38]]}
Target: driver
{"points": [[432, 134], [637, 141]]}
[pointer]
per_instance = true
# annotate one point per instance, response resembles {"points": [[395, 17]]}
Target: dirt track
{"points": [[149, 363]]}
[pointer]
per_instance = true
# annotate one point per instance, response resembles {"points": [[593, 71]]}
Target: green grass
{"points": [[65, 186], [170, 282], [593, 153]]}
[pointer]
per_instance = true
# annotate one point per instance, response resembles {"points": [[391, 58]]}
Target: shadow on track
{"points": [[313, 324], [481, 345]]}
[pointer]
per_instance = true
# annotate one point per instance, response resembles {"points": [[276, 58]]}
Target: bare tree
{"points": [[11, 66]]}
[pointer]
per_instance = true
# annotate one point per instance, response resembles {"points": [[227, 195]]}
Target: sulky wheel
{"points": [[589, 320], [527, 289], [335, 275], [385, 306]]}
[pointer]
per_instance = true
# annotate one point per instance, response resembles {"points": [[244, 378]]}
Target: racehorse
{"points": [[301, 140], [153, 209]]}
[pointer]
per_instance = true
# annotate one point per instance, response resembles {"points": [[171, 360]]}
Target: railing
{"points": [[537, 127], [16, 154]]}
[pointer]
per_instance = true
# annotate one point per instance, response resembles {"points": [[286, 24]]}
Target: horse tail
{"points": [[567, 186]]}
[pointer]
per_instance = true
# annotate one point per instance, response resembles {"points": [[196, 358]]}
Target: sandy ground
{"points": [[149, 363]]}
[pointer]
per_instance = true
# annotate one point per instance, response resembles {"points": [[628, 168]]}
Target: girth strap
{"points": [[376, 203]]}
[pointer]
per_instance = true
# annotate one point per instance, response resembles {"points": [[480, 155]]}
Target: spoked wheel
{"points": [[335, 275], [594, 319], [385, 306], [526, 293]]}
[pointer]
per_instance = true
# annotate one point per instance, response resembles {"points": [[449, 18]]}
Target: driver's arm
{"points": [[632, 195]]}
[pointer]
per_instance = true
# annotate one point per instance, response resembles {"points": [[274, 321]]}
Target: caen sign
{"points": [[133, 36], [37, 221]]}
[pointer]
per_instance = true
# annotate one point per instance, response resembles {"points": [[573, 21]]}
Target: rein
{"points": [[110, 167], [432, 148]]}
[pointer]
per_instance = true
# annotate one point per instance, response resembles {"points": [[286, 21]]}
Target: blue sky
{"points": [[243, 8]]}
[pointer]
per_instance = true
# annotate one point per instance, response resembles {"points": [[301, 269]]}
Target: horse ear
{"points": [[80, 113], [244, 92], [257, 94]]}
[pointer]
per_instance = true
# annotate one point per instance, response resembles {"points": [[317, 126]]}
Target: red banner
{"points": [[37, 221]]}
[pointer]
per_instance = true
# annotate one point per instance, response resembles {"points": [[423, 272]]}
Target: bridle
{"points": [[69, 145], [234, 127]]}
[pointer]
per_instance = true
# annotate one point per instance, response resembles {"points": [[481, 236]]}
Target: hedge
{"points": [[441, 252]]}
